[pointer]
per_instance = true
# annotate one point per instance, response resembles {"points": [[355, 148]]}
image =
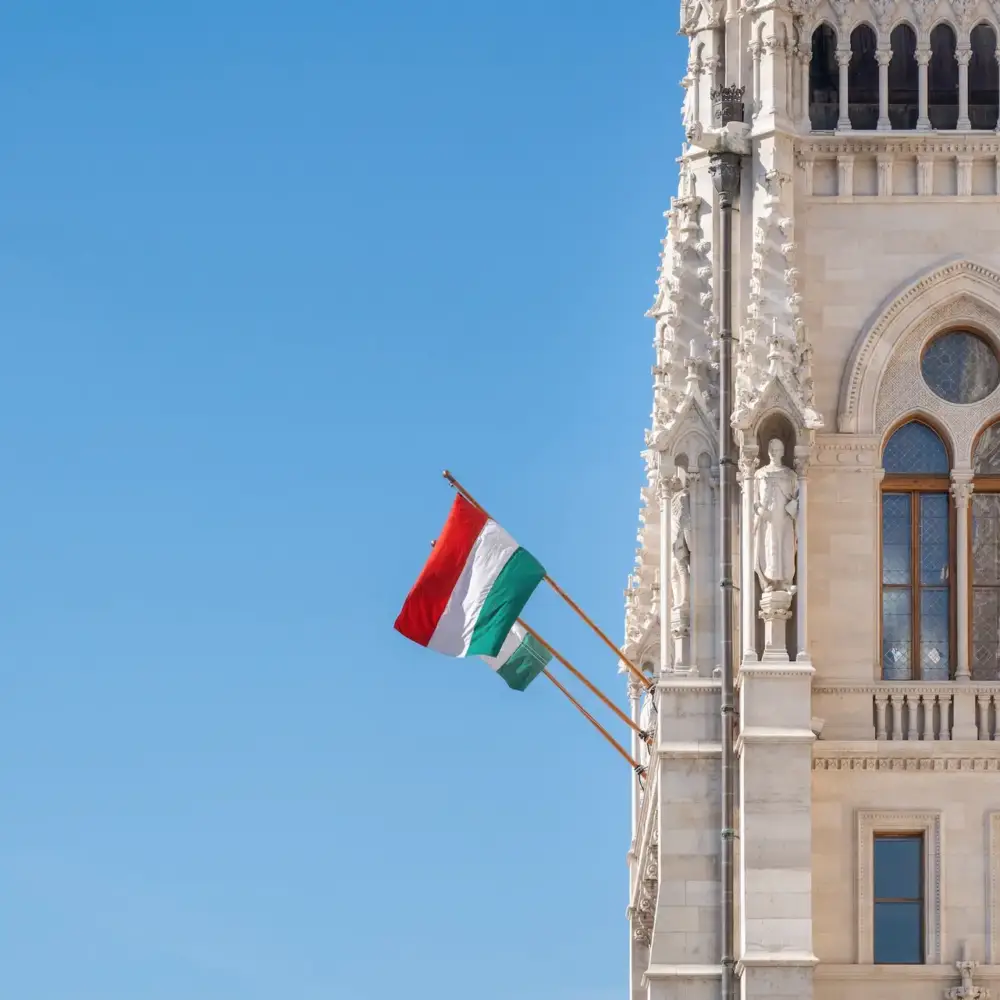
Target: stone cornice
{"points": [[984, 143], [847, 452], [979, 756], [897, 973]]}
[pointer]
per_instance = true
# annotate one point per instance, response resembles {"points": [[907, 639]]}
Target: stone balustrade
{"points": [[910, 711]]}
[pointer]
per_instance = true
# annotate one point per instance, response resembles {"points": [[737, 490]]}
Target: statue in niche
{"points": [[776, 508], [680, 542]]}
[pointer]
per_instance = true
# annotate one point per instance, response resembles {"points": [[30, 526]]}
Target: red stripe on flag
{"points": [[426, 602]]}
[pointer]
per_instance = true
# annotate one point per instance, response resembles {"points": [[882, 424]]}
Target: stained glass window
{"points": [[960, 367], [985, 586], [914, 449], [916, 558], [986, 458]]}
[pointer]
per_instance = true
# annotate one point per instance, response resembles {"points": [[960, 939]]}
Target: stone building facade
{"points": [[866, 317]]}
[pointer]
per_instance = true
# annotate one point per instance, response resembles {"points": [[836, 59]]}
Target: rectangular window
{"points": [[898, 899], [916, 586]]}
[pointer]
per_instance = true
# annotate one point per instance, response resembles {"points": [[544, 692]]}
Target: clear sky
{"points": [[268, 267]]}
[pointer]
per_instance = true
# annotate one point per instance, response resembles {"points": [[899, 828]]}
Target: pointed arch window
{"points": [[984, 557], [917, 556]]}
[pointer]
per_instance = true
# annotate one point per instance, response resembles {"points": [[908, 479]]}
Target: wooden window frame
{"points": [[915, 485], [920, 899]]}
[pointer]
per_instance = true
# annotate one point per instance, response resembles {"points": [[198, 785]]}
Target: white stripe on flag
{"points": [[514, 639], [490, 553]]}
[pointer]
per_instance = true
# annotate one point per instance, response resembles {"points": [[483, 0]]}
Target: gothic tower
{"points": [[839, 211]]}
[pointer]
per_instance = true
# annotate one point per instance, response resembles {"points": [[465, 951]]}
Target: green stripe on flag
{"points": [[525, 663], [515, 583]]}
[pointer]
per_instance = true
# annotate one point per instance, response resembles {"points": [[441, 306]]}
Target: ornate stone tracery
{"points": [[883, 383]]}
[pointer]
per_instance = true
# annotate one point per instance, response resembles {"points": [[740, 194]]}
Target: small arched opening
{"points": [[824, 80], [984, 78], [942, 79], [862, 79], [904, 86]]}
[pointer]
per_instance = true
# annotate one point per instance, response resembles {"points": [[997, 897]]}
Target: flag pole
{"points": [[635, 766], [646, 682], [579, 676]]}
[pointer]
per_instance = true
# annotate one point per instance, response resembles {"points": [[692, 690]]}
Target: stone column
{"points": [[884, 56], [756, 50], [884, 163], [923, 59], [802, 560], [775, 747], [805, 57], [664, 493], [748, 603], [961, 490], [963, 56], [635, 709], [843, 61]]}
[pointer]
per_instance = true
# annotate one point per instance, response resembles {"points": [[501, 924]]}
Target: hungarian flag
{"points": [[522, 658], [472, 589]]}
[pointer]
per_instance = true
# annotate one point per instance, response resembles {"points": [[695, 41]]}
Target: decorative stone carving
{"points": [[773, 342], [776, 510], [885, 359], [966, 969], [683, 305], [680, 543]]}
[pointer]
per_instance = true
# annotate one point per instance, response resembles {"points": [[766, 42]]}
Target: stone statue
{"points": [[776, 507], [680, 543]]}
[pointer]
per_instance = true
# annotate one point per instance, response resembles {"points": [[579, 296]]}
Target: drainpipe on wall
{"points": [[726, 167]]}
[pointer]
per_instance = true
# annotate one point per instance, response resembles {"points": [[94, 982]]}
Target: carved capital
{"points": [[883, 56], [961, 489], [923, 57], [963, 56], [843, 57]]}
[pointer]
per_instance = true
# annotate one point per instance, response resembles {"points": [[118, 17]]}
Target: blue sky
{"points": [[266, 269]]}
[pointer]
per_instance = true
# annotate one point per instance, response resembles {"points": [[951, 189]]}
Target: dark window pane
{"points": [[898, 865], [897, 538], [960, 367], [985, 634], [934, 540], [935, 662], [986, 459], [897, 623], [899, 934], [986, 539], [914, 448]]}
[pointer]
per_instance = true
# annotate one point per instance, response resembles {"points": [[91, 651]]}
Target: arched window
{"points": [[942, 79], [916, 556], [904, 77], [984, 561], [824, 80], [984, 78], [862, 79]]}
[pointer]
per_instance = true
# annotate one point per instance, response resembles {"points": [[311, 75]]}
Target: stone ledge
{"points": [[683, 972], [777, 959], [697, 749], [771, 734], [893, 973], [680, 682]]}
